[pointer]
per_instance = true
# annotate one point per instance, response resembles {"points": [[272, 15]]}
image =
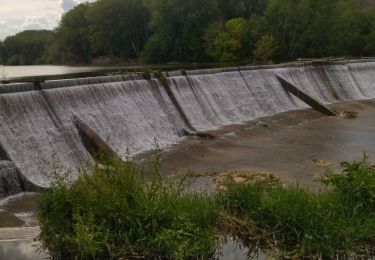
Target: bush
{"points": [[113, 211], [355, 187], [265, 49], [337, 221]]}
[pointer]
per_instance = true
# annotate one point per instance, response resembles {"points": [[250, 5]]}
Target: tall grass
{"points": [[337, 221], [112, 210]]}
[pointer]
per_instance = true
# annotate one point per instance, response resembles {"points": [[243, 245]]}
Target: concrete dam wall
{"points": [[39, 126]]}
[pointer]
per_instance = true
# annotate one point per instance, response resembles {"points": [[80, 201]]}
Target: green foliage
{"points": [[71, 43], [162, 78], [26, 48], [356, 187], [241, 8], [265, 49], [336, 222], [118, 28], [230, 43], [178, 28], [347, 29], [114, 211], [146, 74], [156, 31]]}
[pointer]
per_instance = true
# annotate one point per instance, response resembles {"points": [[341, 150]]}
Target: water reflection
{"points": [[30, 250], [21, 250], [234, 250]]}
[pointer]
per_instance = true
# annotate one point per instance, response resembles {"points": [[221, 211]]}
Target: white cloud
{"points": [[16, 16]]}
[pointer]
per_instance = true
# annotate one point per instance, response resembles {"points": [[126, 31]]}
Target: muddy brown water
{"points": [[296, 146]]}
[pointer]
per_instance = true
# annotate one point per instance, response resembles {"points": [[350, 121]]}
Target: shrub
{"points": [[337, 221], [265, 49], [112, 210]]}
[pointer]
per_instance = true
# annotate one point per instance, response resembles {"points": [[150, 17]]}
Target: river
{"points": [[16, 72]]}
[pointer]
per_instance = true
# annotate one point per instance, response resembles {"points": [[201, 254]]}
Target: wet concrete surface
{"points": [[297, 146]]}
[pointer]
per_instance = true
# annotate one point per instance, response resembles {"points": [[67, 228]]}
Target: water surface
{"points": [[15, 72]]}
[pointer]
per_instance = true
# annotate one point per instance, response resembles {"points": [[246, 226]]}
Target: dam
{"points": [[38, 124]]}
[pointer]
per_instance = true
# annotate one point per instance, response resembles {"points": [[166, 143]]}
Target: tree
{"points": [[27, 48], [265, 49], [2, 52], [118, 28], [179, 27], [71, 43], [241, 8], [300, 27], [199, 31], [370, 36], [230, 43]]}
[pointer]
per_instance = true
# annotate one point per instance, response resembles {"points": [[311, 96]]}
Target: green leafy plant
{"points": [[338, 221], [115, 210], [265, 49]]}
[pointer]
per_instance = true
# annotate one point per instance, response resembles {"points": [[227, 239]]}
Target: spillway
{"points": [[129, 113]]}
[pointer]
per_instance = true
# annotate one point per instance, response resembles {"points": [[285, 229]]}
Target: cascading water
{"points": [[224, 98], [12, 181], [37, 127]]}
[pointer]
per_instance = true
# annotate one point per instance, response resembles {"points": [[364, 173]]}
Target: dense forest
{"points": [[157, 31]]}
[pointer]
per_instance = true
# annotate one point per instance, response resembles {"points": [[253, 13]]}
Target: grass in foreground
{"points": [[113, 211], [338, 221]]}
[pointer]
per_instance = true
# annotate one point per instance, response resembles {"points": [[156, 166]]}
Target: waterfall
{"points": [[231, 97], [128, 113], [37, 126], [11, 181]]}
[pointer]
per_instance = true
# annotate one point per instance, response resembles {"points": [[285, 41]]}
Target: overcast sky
{"points": [[19, 15]]}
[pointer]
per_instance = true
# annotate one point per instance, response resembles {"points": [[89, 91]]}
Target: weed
{"points": [[146, 74], [112, 210], [163, 80], [334, 222], [183, 72]]}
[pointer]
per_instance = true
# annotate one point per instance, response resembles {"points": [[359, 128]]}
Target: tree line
{"points": [[157, 31]]}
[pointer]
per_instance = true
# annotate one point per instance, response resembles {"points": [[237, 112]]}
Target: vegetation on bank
{"points": [[336, 222], [157, 31], [113, 210]]}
